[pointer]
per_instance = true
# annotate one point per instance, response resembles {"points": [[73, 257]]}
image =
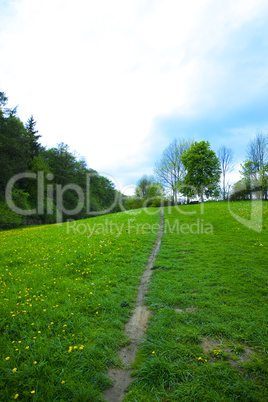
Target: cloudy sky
{"points": [[119, 80]]}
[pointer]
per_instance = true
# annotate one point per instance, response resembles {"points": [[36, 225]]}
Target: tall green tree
{"points": [[170, 169], [203, 170], [33, 136], [143, 186], [14, 150]]}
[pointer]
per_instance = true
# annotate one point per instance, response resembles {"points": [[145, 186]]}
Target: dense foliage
{"points": [[52, 184]]}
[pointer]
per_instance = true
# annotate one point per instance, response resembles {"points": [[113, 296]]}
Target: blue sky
{"points": [[118, 81]]}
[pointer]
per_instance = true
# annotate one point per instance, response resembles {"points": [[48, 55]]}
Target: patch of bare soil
{"points": [[135, 329], [187, 310], [245, 354]]}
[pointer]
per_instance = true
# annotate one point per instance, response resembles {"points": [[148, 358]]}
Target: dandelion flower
{"points": [[16, 396], [32, 392], [7, 358]]}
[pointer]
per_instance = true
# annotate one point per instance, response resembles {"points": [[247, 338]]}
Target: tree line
{"points": [[22, 156], [191, 171], [188, 171]]}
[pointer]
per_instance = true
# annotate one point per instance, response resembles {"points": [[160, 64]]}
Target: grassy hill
{"points": [[66, 292]]}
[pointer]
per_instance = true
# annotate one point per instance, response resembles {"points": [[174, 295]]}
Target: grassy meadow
{"points": [[208, 337], [66, 292]]}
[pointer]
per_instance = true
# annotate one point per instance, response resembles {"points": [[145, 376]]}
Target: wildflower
{"points": [[27, 347], [16, 396], [63, 382], [14, 369], [153, 352], [32, 392], [81, 347], [7, 358], [199, 358], [35, 362]]}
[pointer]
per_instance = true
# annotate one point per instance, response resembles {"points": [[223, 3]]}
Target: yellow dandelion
{"points": [[81, 347], [63, 382], [32, 392], [14, 369], [27, 347], [7, 358], [35, 362], [16, 396]]}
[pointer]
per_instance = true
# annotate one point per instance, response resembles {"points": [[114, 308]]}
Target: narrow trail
{"points": [[134, 328]]}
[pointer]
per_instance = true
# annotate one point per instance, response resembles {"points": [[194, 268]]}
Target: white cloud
{"points": [[95, 74]]}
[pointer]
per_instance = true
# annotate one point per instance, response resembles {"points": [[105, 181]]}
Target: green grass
{"points": [[66, 292], [208, 337]]}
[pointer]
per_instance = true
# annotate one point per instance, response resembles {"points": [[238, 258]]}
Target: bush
{"points": [[8, 218]]}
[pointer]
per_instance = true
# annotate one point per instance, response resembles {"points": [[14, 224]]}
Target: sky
{"points": [[119, 80]]}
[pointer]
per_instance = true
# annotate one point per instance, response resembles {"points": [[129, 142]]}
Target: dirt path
{"points": [[134, 329]]}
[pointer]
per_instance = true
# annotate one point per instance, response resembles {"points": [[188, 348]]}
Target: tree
{"points": [[255, 168], [143, 186], [14, 150], [170, 170], [225, 156], [258, 152], [33, 135], [3, 102], [202, 169], [148, 193]]}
